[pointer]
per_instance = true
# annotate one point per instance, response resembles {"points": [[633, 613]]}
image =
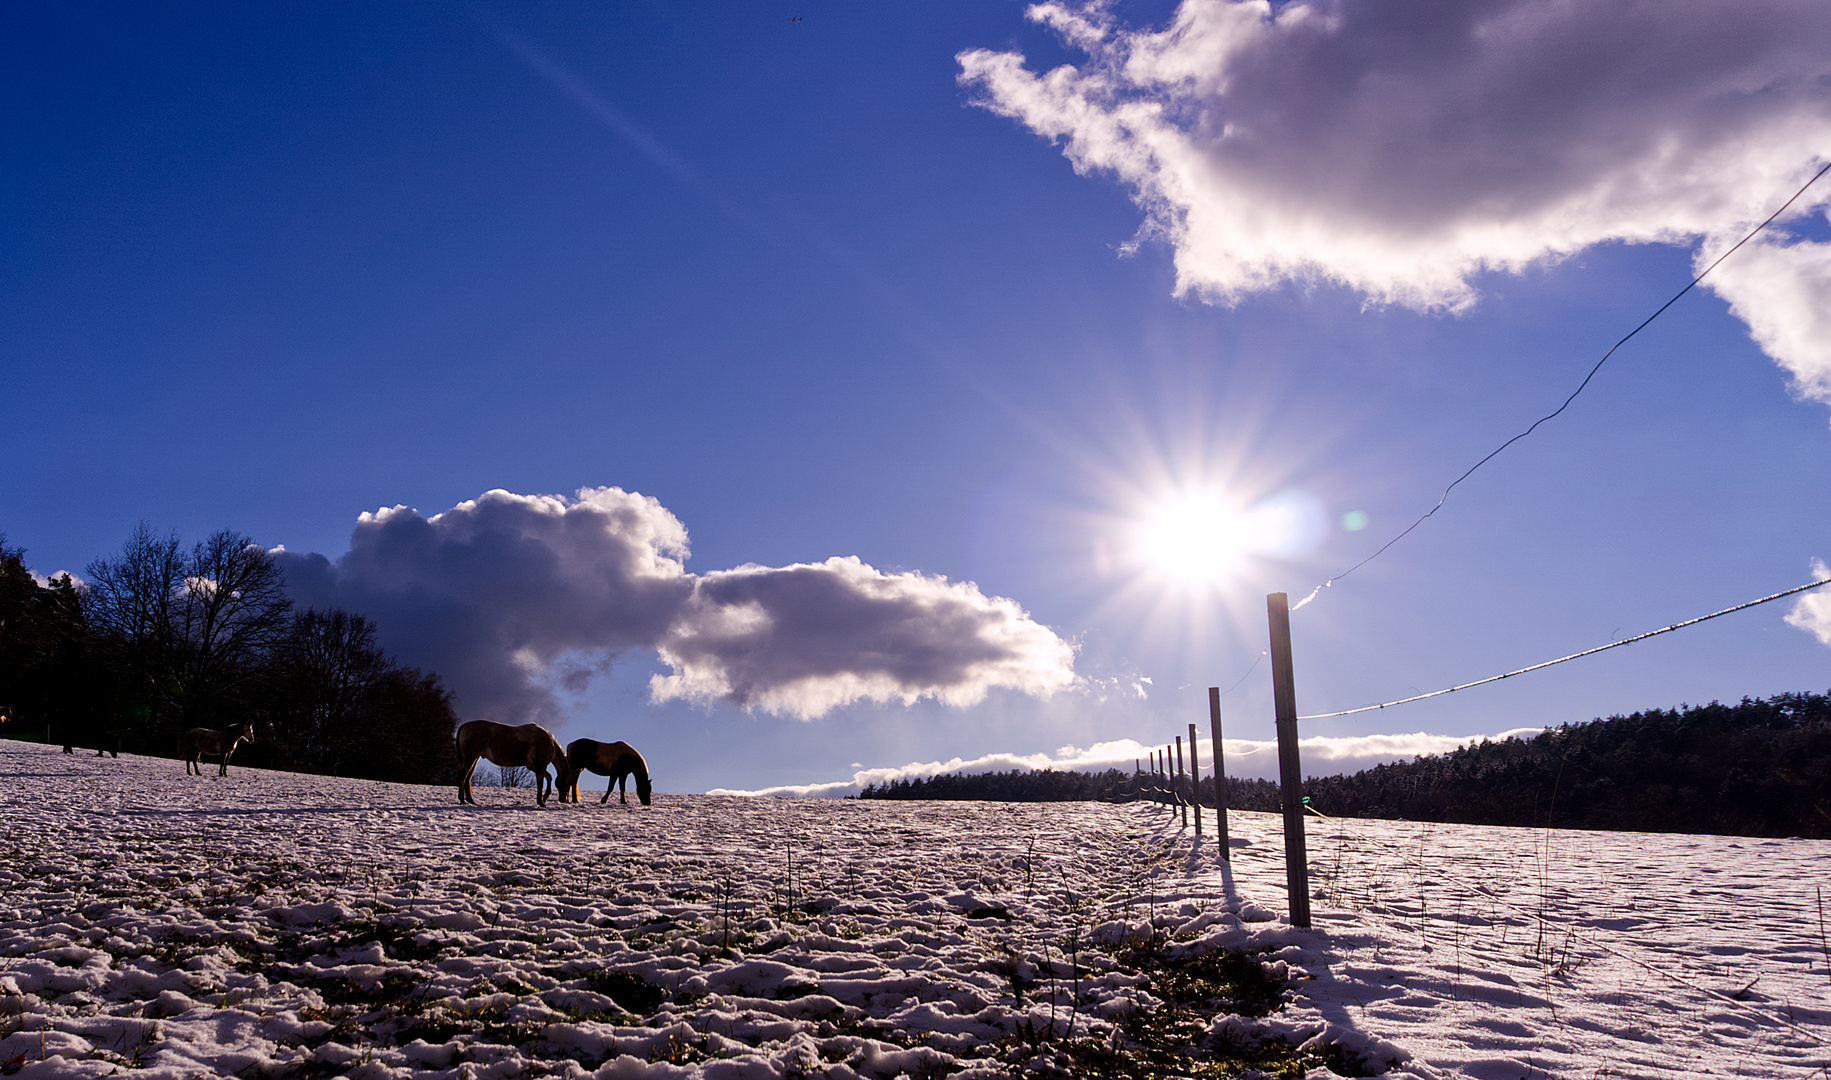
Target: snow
{"points": [[276, 924]]}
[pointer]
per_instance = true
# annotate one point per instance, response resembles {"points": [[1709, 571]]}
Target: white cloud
{"points": [[1812, 611], [1400, 149], [1322, 755], [803, 640], [1783, 293], [510, 596]]}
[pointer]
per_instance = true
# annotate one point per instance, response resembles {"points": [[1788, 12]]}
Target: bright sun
{"points": [[1195, 539]]}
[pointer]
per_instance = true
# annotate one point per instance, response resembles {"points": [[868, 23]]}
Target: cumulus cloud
{"points": [[1322, 755], [1401, 148], [493, 592], [510, 597], [1812, 611], [805, 639]]}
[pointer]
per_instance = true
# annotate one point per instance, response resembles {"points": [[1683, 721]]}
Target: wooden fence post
{"points": [[1290, 768], [1220, 771], [1176, 782], [1195, 783]]}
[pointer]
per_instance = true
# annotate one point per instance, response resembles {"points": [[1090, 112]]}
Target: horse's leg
{"points": [[464, 777], [609, 782]]}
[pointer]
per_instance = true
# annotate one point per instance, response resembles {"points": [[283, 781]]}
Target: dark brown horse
{"points": [[617, 760], [527, 746], [199, 741]]}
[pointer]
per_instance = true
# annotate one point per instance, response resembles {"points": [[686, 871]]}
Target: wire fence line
{"points": [[1574, 656], [1573, 394]]}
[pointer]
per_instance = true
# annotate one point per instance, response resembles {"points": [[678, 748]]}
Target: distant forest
{"points": [[1757, 768], [160, 639]]}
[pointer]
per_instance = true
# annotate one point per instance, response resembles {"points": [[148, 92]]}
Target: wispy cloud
{"points": [[1402, 149], [1322, 756], [513, 597]]}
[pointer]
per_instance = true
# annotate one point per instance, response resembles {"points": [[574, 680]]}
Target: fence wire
{"points": [[1574, 656]]}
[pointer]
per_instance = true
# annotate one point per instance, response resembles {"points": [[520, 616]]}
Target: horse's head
{"points": [[642, 781], [565, 771]]}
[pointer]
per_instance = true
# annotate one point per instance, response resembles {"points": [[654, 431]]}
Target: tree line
{"points": [[161, 638], [1756, 768], [1017, 785]]}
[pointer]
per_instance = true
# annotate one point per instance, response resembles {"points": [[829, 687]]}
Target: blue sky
{"points": [[815, 296]]}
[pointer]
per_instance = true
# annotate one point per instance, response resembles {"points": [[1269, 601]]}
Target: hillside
{"points": [[285, 925]]}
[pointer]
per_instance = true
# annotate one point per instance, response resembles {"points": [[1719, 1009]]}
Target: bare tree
{"points": [[326, 677], [415, 714], [230, 612], [194, 629], [130, 599]]}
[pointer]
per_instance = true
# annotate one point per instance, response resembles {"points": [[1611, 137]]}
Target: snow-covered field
{"points": [[274, 924]]}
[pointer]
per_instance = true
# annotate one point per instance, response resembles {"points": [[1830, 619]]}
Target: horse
{"points": [[527, 746], [198, 741], [102, 749], [617, 760]]}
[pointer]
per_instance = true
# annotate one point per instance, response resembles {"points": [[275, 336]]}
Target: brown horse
{"points": [[198, 741], [527, 746], [617, 760]]}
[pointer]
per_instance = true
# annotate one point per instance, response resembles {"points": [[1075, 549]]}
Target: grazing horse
{"points": [[528, 746], [199, 741], [617, 760]]}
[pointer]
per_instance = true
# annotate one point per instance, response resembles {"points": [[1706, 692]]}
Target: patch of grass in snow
{"points": [[627, 989], [400, 943], [396, 988], [1176, 1039], [1227, 981]]}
